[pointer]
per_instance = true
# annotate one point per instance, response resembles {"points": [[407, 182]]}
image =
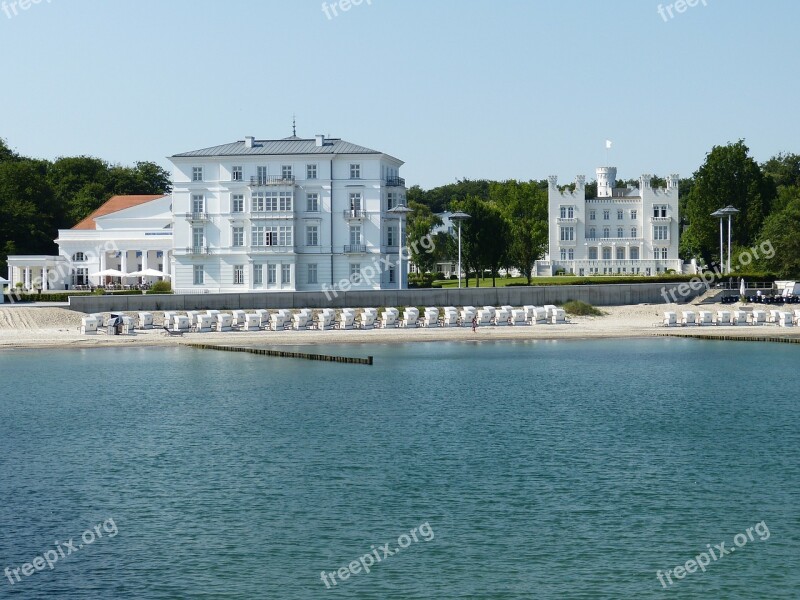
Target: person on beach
{"points": [[474, 323]]}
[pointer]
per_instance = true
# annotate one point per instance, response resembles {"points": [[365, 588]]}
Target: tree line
{"points": [[39, 197], [509, 225]]}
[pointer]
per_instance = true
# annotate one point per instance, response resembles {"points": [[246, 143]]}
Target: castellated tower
{"points": [[606, 180]]}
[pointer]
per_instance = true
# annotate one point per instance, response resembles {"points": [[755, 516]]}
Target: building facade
{"points": [[623, 231], [285, 215]]}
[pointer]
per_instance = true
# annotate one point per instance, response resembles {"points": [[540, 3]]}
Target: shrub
{"points": [[420, 280], [581, 309], [160, 287]]}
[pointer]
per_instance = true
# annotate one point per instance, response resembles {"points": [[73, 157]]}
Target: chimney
{"points": [[248, 141], [320, 140]]}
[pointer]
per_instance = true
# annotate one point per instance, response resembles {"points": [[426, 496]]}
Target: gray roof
{"points": [[290, 145]]}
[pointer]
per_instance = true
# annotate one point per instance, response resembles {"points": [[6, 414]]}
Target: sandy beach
{"points": [[51, 327]]}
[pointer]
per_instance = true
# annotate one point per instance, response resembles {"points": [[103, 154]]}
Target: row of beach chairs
{"points": [[732, 318], [326, 319]]}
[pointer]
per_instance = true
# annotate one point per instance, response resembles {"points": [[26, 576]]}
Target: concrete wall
{"points": [[598, 295]]}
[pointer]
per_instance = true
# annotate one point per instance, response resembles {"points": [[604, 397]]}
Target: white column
{"points": [[44, 279], [103, 260], [28, 278], [124, 261], [144, 260]]}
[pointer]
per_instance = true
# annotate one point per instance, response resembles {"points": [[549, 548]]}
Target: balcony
{"points": [[395, 182], [660, 219], [196, 216], [271, 249], [355, 214], [567, 219], [198, 250], [355, 249], [267, 181]]}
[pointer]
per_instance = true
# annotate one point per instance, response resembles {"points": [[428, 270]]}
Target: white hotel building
{"points": [[253, 215], [621, 231], [289, 214]]}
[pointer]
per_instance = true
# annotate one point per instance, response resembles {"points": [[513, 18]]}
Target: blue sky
{"points": [[455, 88]]}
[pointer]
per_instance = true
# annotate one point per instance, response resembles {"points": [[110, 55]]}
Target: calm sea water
{"points": [[542, 470]]}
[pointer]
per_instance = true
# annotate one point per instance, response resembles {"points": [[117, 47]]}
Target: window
{"points": [[355, 203], [258, 202], [237, 237], [286, 274], [271, 201], [634, 232], [659, 211], [237, 203], [312, 202], [571, 254], [620, 253], [258, 274], [197, 173], [634, 253], [312, 235], [606, 232], [78, 257], [664, 254], [257, 235], [567, 212], [634, 214], [270, 236], [606, 215], [656, 253], [198, 237], [286, 171], [660, 232], [80, 276], [563, 212], [620, 215], [198, 203], [312, 273], [391, 200], [391, 275], [620, 232], [238, 274], [567, 234], [198, 275], [592, 253], [592, 233], [237, 174], [285, 201], [311, 171], [286, 235], [592, 215], [261, 175], [606, 253], [355, 171], [272, 274], [563, 254], [355, 272], [391, 235], [355, 235]]}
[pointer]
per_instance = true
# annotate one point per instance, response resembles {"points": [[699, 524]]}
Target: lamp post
{"points": [[459, 217], [718, 214], [401, 211], [729, 211]]}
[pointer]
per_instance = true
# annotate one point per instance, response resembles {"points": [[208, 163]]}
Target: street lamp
{"points": [[729, 211], [718, 214], [459, 217], [401, 211]]}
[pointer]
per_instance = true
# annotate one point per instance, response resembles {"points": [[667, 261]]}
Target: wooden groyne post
{"points": [[283, 354]]}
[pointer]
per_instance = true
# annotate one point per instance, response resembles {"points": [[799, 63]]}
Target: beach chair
{"points": [[723, 317], [239, 318], [491, 309], [169, 318], [410, 317], [128, 326], [450, 317], [485, 317], [204, 323], [528, 308], [773, 316], [550, 308], [507, 308], [101, 320], [519, 317], [300, 321], [181, 324], [347, 319], [739, 317], [689, 319], [145, 320], [193, 314], [501, 317], [431, 317], [224, 322], [368, 318], [213, 313], [389, 317], [263, 316], [88, 326], [785, 319], [705, 318], [559, 316], [758, 317], [539, 316], [325, 318], [466, 315], [252, 322]]}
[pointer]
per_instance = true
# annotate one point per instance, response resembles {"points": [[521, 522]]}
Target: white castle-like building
{"points": [[252, 215], [621, 231]]}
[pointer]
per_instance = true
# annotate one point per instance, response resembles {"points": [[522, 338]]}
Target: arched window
{"points": [[633, 232], [606, 232], [78, 257], [620, 232]]}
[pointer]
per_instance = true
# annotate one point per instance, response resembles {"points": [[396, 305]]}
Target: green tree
{"points": [[729, 176], [781, 232], [485, 236], [419, 226], [524, 206], [783, 169]]}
